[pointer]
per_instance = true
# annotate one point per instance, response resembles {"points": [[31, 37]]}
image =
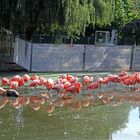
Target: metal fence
{"points": [[88, 40], [64, 57], [39, 38], [7, 43], [6, 48]]}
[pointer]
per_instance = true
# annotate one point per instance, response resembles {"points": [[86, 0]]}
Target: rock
{"points": [[12, 93]]}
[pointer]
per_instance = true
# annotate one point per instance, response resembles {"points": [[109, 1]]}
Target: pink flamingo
{"points": [[73, 79], [74, 88], [67, 84], [94, 85], [13, 84], [34, 77], [49, 84], [26, 77], [122, 73], [15, 78], [21, 82], [58, 87], [2, 90], [5, 81], [87, 80], [42, 80], [34, 84]]}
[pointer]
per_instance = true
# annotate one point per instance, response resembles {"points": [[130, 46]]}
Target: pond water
{"points": [[116, 120], [102, 122]]}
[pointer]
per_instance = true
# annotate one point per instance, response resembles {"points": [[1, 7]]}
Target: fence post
{"points": [[31, 56], [40, 38], [84, 57], [131, 60], [15, 45]]}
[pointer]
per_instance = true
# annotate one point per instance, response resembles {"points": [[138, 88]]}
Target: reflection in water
{"points": [[99, 113], [19, 119], [97, 121], [102, 116], [132, 129], [139, 112]]}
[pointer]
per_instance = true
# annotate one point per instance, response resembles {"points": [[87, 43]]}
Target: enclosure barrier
{"points": [[136, 59], [66, 57], [6, 48]]}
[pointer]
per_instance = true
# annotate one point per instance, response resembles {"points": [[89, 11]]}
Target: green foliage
{"points": [[103, 12], [125, 11], [65, 17], [137, 3], [78, 16]]}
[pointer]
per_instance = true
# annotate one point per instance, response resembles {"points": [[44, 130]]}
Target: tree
{"points": [[54, 16], [64, 17], [125, 12]]}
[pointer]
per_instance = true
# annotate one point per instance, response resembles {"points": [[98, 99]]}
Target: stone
{"points": [[12, 93]]}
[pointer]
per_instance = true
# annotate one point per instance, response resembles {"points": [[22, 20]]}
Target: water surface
{"points": [[103, 122]]}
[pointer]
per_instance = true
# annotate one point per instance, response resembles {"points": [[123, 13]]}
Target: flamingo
{"points": [[67, 84], [105, 80], [94, 85], [58, 87], [15, 78], [49, 84], [34, 84], [115, 79], [68, 77], [73, 79], [13, 84], [21, 82], [5, 81], [74, 88], [34, 77], [100, 80], [122, 73], [64, 76], [42, 80], [26, 77], [2, 90], [137, 76], [87, 79]]}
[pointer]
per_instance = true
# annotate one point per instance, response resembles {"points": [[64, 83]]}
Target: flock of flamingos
{"points": [[67, 90]]}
